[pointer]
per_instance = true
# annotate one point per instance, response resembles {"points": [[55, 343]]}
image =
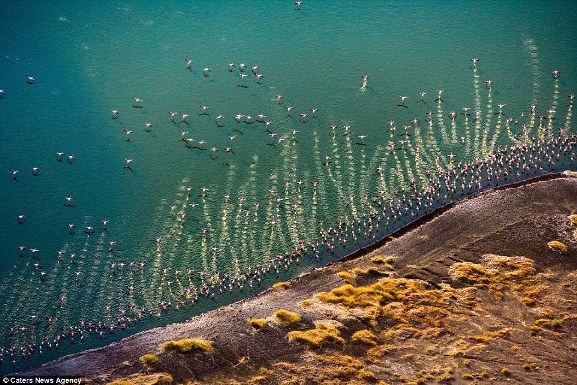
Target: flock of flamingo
{"points": [[315, 190]]}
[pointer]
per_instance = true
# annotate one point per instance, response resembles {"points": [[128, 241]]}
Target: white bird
{"points": [[188, 64], [137, 102], [555, 74], [242, 79], [231, 67], [30, 80], [128, 133], [128, 164], [68, 202], [206, 71]]}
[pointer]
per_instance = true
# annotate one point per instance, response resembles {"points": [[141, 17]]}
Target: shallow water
{"points": [[91, 58]]}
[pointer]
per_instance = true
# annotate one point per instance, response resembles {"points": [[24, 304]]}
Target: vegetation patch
{"points": [[347, 276], [573, 219], [365, 336], [281, 285], [501, 273], [371, 270], [379, 293], [487, 336], [259, 323], [387, 262], [151, 361], [188, 345], [558, 246], [322, 334], [287, 318], [328, 368]]}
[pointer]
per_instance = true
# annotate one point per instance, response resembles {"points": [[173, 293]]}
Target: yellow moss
{"points": [[188, 345], [371, 270], [457, 348], [376, 294], [445, 377], [347, 276], [558, 246], [387, 262], [151, 361], [431, 350], [530, 366], [500, 273], [121, 382], [547, 323], [328, 368], [281, 285], [287, 318], [259, 379], [573, 219], [365, 336], [487, 336], [259, 323], [365, 374], [242, 361], [322, 333], [506, 372], [306, 303], [469, 272]]}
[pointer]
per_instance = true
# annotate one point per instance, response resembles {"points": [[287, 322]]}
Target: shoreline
{"points": [[149, 340]]}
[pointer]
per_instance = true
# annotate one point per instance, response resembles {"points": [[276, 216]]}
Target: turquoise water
{"points": [[167, 240]]}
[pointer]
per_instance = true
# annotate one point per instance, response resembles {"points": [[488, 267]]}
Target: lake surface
{"points": [[135, 226]]}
